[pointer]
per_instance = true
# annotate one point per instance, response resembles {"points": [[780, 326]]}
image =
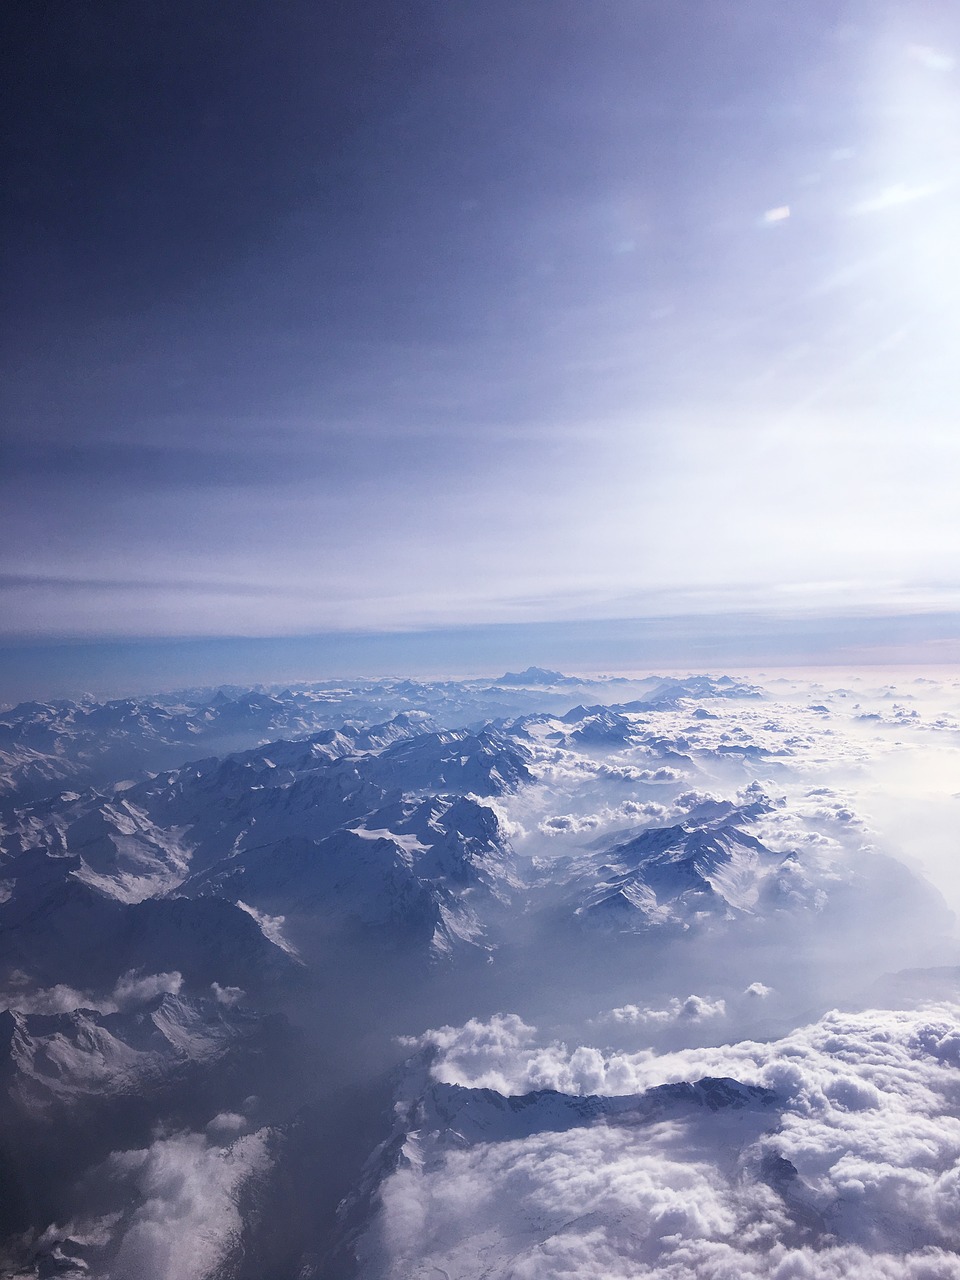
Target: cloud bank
{"points": [[857, 1165]]}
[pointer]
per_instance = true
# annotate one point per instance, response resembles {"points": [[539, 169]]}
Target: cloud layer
{"points": [[855, 1176]]}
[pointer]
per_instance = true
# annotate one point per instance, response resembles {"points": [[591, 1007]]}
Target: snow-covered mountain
{"points": [[418, 872], [486, 763], [47, 746], [57, 928], [298, 828], [85, 1054], [675, 876], [451, 1116], [370, 858], [138, 840]]}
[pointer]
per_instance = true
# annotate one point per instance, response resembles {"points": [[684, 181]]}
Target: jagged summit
{"points": [[88, 1051], [673, 876]]}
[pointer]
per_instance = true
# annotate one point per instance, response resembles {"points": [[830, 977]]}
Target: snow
{"points": [[673, 878]]}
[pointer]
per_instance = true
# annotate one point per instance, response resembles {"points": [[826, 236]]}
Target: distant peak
{"points": [[534, 675]]}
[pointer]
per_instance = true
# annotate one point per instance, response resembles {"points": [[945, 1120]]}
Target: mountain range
{"points": [[224, 943]]}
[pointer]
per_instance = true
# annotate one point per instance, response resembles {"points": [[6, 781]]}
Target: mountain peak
{"points": [[536, 676]]}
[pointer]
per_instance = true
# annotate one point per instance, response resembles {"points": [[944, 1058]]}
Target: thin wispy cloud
{"points": [[378, 327]]}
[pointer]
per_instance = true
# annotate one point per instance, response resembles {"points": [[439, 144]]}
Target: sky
{"points": [[339, 319]]}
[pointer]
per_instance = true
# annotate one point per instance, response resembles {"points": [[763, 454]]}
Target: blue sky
{"points": [[387, 316]]}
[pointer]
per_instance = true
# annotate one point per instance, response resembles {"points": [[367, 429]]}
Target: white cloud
{"points": [[227, 995], [854, 1175], [896, 195], [271, 927], [227, 1124], [132, 988], [477, 1051], [47, 1000], [568, 824], [692, 1009], [186, 1220], [635, 812], [135, 988]]}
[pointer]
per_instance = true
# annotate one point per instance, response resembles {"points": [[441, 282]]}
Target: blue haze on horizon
{"points": [[406, 317], [705, 642]]}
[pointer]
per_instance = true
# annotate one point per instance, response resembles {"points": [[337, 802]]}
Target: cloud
{"points": [[175, 1211], [132, 989], [227, 995], [188, 1218], [855, 1176], [271, 927], [632, 811], [477, 1051], [692, 1009], [898, 194], [510, 828], [577, 793], [568, 824], [47, 1000], [932, 59], [227, 1124]]}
